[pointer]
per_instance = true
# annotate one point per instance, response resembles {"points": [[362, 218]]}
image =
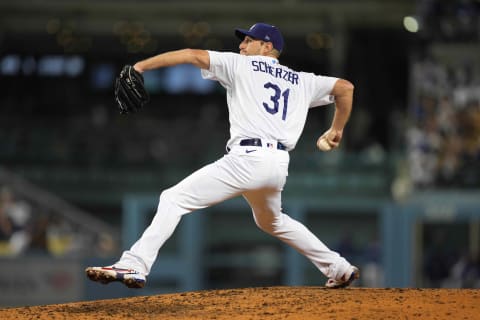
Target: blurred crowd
{"points": [[15, 224], [443, 139], [446, 270], [447, 263], [450, 20], [101, 137], [26, 228], [443, 136]]}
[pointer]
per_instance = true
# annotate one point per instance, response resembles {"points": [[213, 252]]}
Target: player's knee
{"points": [[163, 196], [172, 203], [265, 227], [269, 226], [167, 196]]}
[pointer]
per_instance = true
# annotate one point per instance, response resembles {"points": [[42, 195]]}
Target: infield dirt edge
{"points": [[270, 303]]}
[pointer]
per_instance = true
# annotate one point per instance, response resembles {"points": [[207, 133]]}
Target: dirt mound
{"points": [[271, 303]]}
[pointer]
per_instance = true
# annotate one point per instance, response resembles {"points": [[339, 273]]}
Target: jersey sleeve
{"points": [[222, 67], [321, 88]]}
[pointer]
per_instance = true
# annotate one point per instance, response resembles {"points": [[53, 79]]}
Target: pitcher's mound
{"points": [[300, 303]]}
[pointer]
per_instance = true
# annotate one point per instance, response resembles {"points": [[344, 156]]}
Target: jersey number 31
{"points": [[275, 99]]}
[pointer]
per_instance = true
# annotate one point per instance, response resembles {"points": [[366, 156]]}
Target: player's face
{"points": [[252, 47]]}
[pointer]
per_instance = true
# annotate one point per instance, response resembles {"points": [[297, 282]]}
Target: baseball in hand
{"points": [[323, 144]]}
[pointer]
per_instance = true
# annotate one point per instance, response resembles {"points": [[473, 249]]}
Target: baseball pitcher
{"points": [[268, 104]]}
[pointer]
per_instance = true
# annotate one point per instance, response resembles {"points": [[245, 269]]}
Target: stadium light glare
{"points": [[411, 24]]}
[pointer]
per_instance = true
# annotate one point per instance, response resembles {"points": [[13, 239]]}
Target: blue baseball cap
{"points": [[263, 31]]}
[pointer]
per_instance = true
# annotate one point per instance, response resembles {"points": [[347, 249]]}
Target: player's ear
{"points": [[276, 53], [268, 47]]}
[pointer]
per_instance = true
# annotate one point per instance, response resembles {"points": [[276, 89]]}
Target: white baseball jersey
{"points": [[266, 99]]}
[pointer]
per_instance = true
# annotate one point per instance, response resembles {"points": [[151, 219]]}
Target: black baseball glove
{"points": [[130, 92]]}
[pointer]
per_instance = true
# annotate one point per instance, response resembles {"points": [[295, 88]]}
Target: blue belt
{"points": [[256, 142]]}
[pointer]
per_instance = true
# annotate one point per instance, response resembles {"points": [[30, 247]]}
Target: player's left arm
{"points": [[197, 57], [343, 93]]}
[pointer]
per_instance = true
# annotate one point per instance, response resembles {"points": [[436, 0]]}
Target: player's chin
{"points": [[243, 52]]}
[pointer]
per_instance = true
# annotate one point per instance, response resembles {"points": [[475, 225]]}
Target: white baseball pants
{"points": [[256, 173]]}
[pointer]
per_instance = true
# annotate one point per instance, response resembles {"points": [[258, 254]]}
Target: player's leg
{"points": [[205, 187], [266, 208], [209, 185]]}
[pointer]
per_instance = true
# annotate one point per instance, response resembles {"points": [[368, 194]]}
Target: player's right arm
{"points": [[197, 57], [343, 93]]}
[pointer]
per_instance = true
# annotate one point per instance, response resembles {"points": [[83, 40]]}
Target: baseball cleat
{"points": [[105, 275], [343, 283]]}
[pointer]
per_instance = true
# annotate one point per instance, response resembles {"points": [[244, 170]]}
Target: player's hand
{"points": [[137, 67], [329, 140]]}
